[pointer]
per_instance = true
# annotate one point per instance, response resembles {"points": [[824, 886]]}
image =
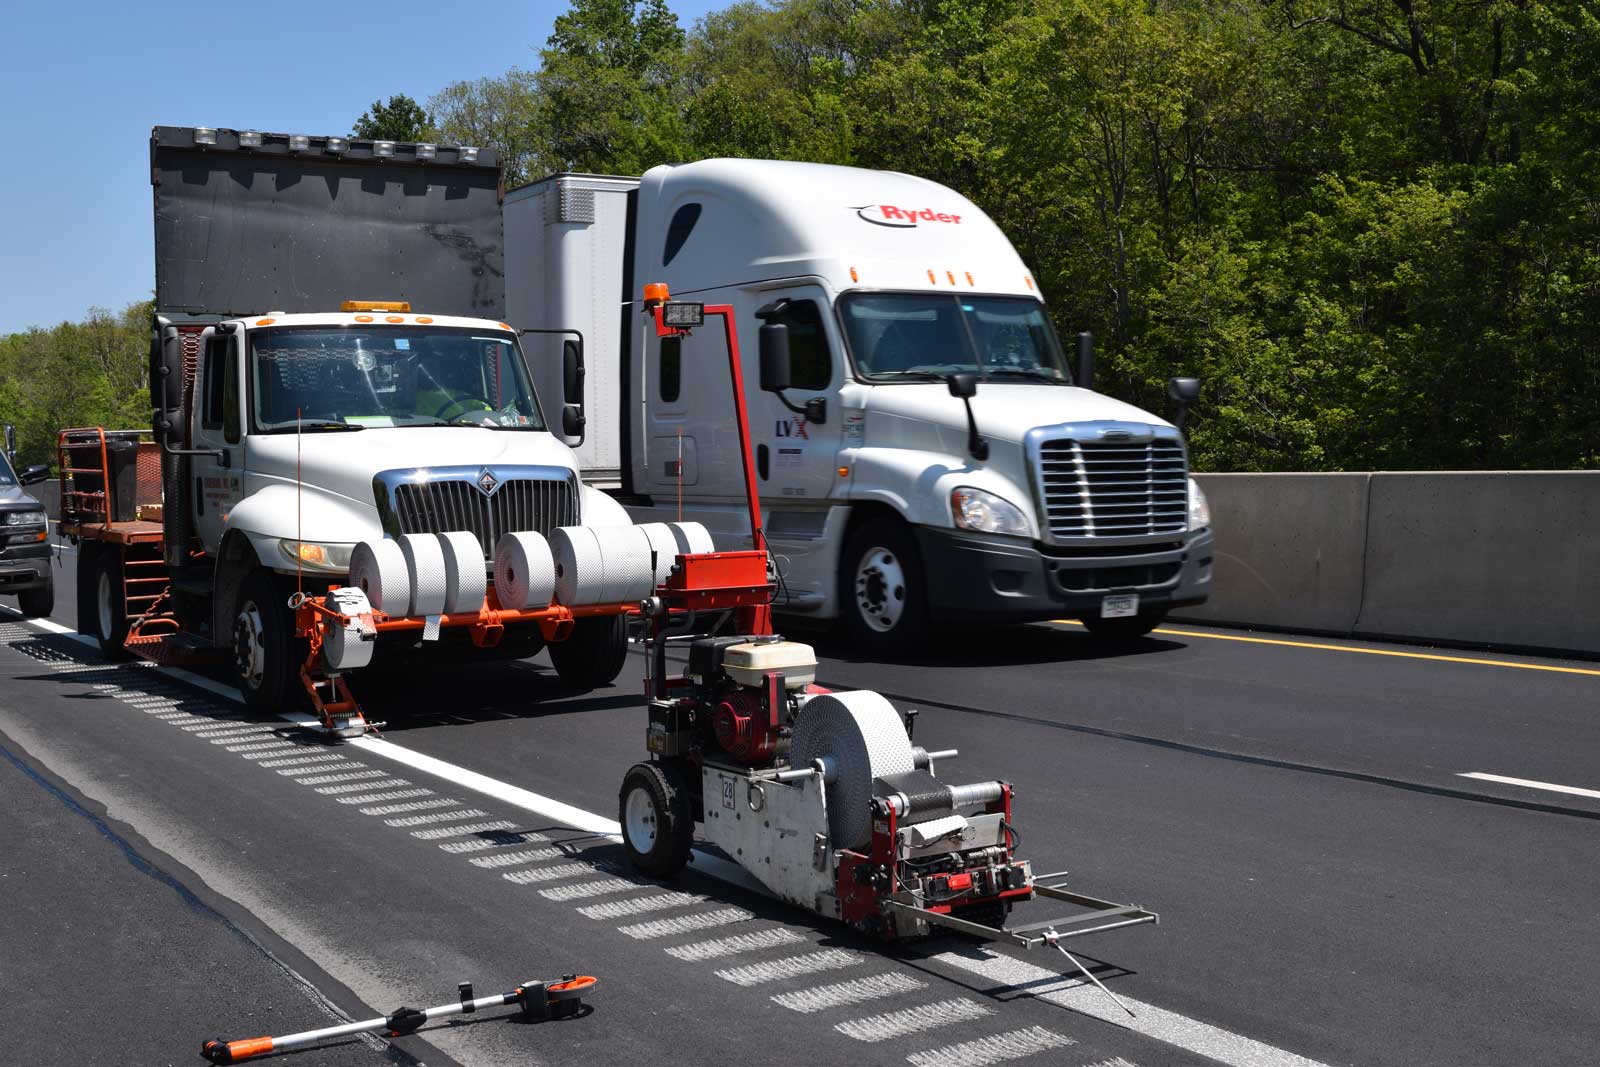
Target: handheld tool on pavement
{"points": [[538, 1000], [823, 797]]}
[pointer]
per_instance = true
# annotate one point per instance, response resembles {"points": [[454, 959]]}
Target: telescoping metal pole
{"points": [[539, 1000]]}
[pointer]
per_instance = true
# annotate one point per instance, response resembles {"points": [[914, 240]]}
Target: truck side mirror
{"points": [[1183, 391], [1085, 373], [572, 421], [963, 384], [33, 474], [572, 370], [775, 374]]}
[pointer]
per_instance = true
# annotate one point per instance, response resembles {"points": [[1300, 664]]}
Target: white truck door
{"points": [[796, 458], [217, 422]]}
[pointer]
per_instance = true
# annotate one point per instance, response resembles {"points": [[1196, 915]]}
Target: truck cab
{"points": [[932, 457]]}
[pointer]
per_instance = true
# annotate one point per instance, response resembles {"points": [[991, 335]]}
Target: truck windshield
{"points": [[926, 336], [346, 377]]}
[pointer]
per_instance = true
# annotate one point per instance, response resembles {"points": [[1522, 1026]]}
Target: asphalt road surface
{"points": [[1334, 888]]}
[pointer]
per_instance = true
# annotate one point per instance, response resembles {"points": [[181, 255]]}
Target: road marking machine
{"points": [[823, 797]]}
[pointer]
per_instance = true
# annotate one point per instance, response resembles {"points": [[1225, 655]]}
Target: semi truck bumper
{"points": [[25, 567], [1004, 579]]}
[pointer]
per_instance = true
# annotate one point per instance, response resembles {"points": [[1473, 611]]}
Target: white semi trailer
{"points": [[933, 456]]}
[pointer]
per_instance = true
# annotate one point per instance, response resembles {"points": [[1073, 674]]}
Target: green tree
{"points": [[401, 119]]}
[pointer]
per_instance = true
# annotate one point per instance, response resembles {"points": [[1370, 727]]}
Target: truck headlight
{"points": [[984, 512], [24, 518], [317, 554], [1199, 509]]}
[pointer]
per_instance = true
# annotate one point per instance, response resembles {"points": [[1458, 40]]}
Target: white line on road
{"points": [[855, 991], [828, 959], [996, 1048], [1529, 784], [732, 946], [893, 1024]]}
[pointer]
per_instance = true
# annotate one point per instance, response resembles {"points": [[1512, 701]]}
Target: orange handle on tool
{"points": [[236, 1051]]}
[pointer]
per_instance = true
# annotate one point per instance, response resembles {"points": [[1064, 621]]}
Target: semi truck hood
{"points": [[1005, 411], [343, 464]]}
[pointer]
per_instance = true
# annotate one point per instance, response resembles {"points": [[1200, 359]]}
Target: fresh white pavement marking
{"points": [[1078, 995], [997, 1048], [373, 798], [829, 959], [892, 1024], [1527, 783], [521, 856], [462, 831], [621, 909], [732, 946], [438, 816], [521, 837], [414, 805], [855, 991], [1168, 1026], [685, 924], [584, 890]]}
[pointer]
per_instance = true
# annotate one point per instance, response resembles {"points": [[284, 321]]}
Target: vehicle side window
{"points": [[671, 368], [212, 371], [230, 394], [810, 363]]}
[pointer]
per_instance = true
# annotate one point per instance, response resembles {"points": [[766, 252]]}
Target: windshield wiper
{"points": [[1020, 372], [908, 375], [319, 426]]}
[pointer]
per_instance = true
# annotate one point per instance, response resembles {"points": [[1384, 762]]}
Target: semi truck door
{"points": [[800, 456], [218, 482]]}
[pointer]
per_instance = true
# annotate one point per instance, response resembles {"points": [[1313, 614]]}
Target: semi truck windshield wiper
{"points": [[318, 426], [1020, 372], [907, 375]]}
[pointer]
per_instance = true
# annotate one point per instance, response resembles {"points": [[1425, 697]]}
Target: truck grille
{"points": [[1112, 489], [518, 504]]}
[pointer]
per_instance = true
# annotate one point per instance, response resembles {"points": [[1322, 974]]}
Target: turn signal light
{"points": [[375, 305]]}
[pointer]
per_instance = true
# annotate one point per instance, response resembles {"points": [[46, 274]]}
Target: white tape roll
{"points": [[664, 545], [465, 581], [692, 537], [580, 578], [624, 564], [425, 564], [378, 569], [865, 738], [348, 645], [524, 572]]}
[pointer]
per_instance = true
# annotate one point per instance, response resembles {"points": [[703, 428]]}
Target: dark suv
{"points": [[25, 541]]}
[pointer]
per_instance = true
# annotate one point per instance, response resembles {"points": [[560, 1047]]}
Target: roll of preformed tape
{"points": [[465, 581], [580, 577], [863, 735], [692, 537], [425, 565], [665, 546], [624, 564], [524, 572], [348, 645], [378, 569]]}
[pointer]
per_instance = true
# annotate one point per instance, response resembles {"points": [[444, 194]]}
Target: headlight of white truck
{"points": [[24, 518], [318, 555], [1199, 509], [984, 512]]}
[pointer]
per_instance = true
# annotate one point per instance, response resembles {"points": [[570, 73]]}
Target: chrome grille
{"points": [[519, 504], [1094, 489]]}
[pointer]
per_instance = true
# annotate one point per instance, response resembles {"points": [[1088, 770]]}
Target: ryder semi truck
{"points": [[330, 366], [931, 455]]}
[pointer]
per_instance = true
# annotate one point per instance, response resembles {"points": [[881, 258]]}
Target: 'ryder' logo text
{"points": [[889, 215]]}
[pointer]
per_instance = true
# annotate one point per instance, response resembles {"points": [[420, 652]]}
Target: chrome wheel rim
{"points": [[880, 589], [639, 821], [249, 647]]}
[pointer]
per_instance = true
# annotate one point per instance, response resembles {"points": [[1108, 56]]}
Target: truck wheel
{"points": [[882, 588], [38, 603], [102, 611], [653, 808], [595, 653], [266, 654], [1125, 629]]}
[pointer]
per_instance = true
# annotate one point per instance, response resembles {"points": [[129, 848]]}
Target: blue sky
{"points": [[82, 83]]}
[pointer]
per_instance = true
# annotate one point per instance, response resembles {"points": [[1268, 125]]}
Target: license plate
{"points": [[1120, 606]]}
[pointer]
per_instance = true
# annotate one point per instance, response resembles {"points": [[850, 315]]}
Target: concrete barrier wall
{"points": [[1497, 558]]}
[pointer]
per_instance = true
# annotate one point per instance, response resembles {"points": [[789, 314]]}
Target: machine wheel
{"points": [[1126, 629], [37, 603], [102, 611], [657, 828], [266, 654], [883, 593], [595, 653]]}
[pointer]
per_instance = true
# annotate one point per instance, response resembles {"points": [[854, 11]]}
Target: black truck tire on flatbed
{"points": [[594, 654], [266, 655], [102, 609], [38, 603]]}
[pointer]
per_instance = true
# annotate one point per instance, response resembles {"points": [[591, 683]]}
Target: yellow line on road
{"points": [[1364, 651]]}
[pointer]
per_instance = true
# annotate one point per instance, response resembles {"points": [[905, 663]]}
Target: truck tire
{"points": [[102, 610], [883, 592], [266, 654], [595, 653], [1130, 628], [38, 603], [657, 827]]}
